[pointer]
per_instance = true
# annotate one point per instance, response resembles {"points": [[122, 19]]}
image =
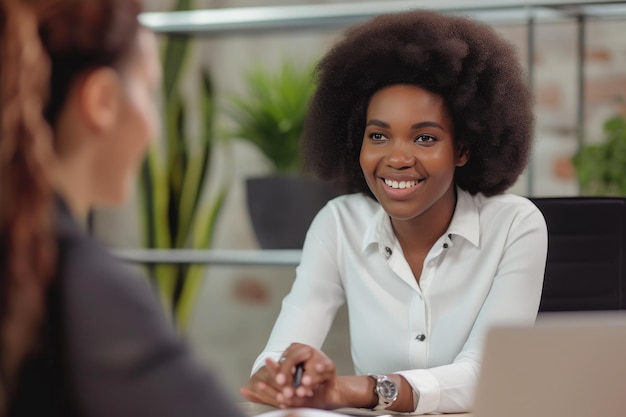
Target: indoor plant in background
{"points": [[174, 178], [601, 167], [271, 116]]}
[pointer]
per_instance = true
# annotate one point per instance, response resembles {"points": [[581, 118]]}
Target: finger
{"points": [[284, 374], [262, 386], [261, 392], [288, 392], [250, 396], [320, 372], [270, 374], [295, 402], [303, 392], [272, 367], [279, 369], [257, 398], [295, 354]]}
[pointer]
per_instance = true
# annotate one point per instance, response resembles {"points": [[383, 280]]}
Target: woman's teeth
{"points": [[400, 184]]}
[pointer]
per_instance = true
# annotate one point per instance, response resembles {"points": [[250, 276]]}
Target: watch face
{"points": [[387, 389]]}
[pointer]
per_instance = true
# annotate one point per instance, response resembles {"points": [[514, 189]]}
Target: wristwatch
{"points": [[385, 389]]}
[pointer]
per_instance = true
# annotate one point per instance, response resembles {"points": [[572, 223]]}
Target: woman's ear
{"points": [[463, 154], [99, 99]]}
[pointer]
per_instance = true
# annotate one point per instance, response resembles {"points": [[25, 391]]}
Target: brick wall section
{"points": [[556, 92]]}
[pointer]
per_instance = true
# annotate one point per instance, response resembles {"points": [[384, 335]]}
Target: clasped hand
{"points": [[273, 383]]}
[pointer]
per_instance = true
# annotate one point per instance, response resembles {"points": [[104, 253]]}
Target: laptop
{"points": [[568, 365]]}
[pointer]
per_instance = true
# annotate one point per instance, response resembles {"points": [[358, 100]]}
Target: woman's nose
{"points": [[400, 156]]}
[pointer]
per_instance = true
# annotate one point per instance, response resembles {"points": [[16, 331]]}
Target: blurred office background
{"points": [[236, 305]]}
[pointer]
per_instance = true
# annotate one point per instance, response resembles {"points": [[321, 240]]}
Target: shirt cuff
{"points": [[424, 383]]}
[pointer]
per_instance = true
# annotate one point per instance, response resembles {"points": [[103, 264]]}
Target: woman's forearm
{"points": [[359, 392]]}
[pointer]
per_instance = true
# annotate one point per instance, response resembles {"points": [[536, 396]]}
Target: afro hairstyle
{"points": [[467, 63]]}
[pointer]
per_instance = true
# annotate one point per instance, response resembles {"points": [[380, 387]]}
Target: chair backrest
{"points": [[586, 253]]}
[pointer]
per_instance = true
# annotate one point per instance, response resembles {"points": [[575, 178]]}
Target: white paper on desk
{"points": [[314, 412]]}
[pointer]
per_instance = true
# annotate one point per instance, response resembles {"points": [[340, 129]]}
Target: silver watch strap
{"points": [[383, 403]]}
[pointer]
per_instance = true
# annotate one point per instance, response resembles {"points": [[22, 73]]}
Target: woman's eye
{"points": [[425, 139], [377, 136]]}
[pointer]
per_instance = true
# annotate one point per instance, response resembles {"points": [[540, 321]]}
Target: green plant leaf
{"points": [[601, 168], [271, 114], [204, 227], [153, 200], [198, 164], [171, 184], [175, 55]]}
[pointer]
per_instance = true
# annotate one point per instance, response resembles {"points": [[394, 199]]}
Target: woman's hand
{"points": [[320, 386], [262, 386], [273, 384]]}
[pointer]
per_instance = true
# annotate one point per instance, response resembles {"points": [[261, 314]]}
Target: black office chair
{"points": [[586, 267]]}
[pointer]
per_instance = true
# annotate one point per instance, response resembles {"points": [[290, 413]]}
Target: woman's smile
{"points": [[400, 189]]}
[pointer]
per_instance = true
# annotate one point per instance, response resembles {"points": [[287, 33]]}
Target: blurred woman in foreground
{"points": [[81, 334]]}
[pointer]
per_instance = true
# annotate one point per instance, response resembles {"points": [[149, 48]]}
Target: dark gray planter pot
{"points": [[282, 208]]}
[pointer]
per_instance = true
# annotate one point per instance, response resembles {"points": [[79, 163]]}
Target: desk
{"points": [[253, 409]]}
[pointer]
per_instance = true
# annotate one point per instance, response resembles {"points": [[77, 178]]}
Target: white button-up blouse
{"points": [[487, 269]]}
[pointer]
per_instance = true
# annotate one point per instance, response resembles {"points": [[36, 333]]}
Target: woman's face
{"points": [[409, 153], [137, 123]]}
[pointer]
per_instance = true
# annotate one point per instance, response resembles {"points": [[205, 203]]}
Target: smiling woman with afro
{"points": [[427, 119], [476, 72]]}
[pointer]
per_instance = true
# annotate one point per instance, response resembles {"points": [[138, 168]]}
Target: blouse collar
{"points": [[465, 223]]}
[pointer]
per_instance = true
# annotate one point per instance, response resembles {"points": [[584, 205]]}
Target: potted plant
{"points": [[271, 116], [173, 179], [601, 168]]}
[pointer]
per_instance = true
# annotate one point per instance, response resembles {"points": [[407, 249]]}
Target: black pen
{"points": [[297, 376]]}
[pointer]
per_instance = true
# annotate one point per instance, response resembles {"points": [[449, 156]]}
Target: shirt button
{"points": [[388, 251], [445, 246], [421, 337]]}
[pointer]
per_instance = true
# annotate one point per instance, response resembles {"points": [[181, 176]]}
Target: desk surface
{"points": [[253, 409]]}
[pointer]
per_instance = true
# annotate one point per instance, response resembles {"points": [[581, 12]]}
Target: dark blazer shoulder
{"points": [[126, 358]]}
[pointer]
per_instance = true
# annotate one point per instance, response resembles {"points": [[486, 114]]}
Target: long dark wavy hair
{"points": [[45, 46]]}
